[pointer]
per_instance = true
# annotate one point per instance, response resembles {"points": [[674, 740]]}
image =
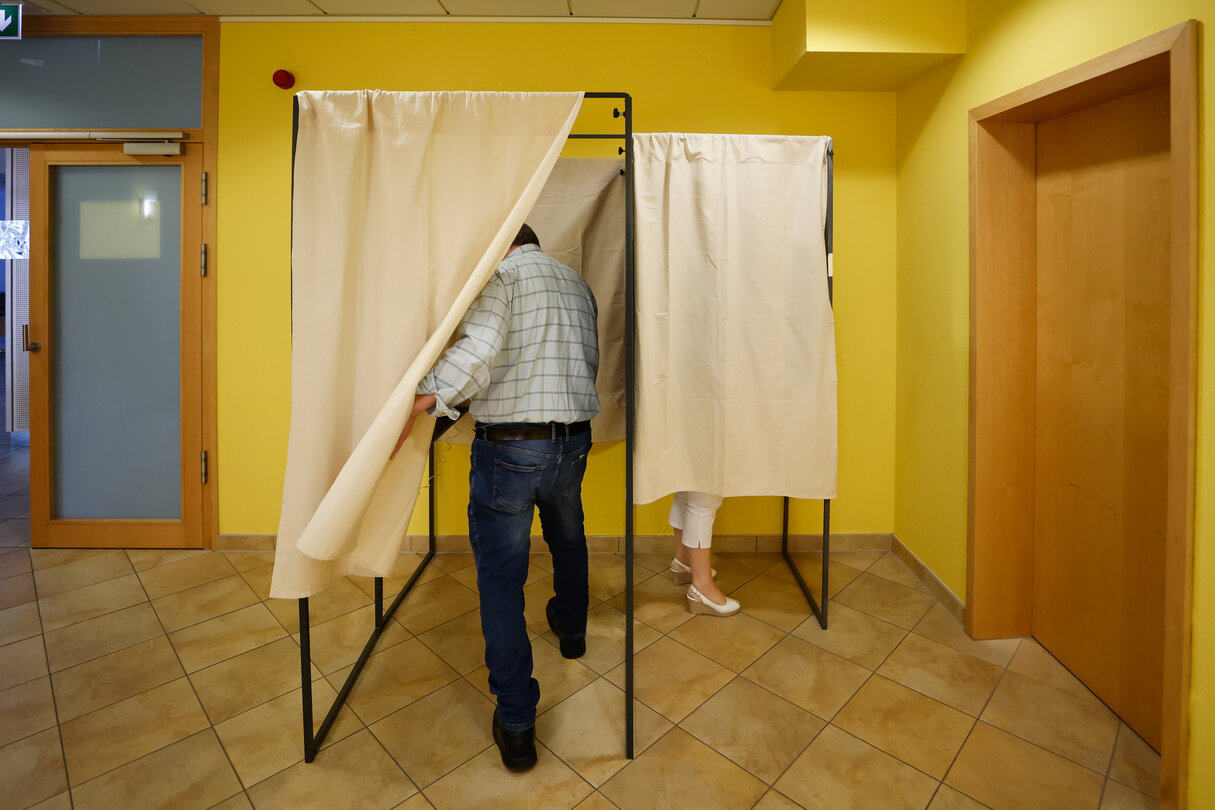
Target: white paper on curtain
{"points": [[403, 205], [579, 218], [736, 386]]}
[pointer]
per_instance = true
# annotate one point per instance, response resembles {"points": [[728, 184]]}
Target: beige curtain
{"points": [[403, 205], [736, 349], [579, 217]]}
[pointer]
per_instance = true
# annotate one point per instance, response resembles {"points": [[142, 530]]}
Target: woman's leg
{"points": [[697, 540], [678, 509]]}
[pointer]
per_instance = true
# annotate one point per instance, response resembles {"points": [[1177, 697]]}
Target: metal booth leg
{"points": [[820, 612]]}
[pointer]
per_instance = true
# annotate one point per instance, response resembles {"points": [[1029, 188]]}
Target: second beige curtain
{"points": [[736, 344]]}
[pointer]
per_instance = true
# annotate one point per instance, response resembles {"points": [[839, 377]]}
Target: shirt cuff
{"points": [[429, 385], [441, 408]]}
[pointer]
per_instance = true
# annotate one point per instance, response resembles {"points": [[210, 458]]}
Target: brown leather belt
{"points": [[522, 434]]}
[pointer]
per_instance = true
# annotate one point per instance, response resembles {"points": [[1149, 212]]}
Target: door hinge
{"points": [[202, 267], [204, 467], [204, 188]]}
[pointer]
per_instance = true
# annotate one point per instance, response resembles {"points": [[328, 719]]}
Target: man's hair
{"points": [[526, 236]]}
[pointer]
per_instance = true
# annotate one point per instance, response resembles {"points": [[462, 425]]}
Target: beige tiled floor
{"points": [[146, 679]]}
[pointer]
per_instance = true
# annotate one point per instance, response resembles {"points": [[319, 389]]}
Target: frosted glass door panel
{"points": [[115, 354]]}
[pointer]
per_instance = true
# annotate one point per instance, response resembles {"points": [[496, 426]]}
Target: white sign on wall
{"points": [[14, 239]]}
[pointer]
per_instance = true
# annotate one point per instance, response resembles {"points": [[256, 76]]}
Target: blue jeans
{"points": [[506, 482]]}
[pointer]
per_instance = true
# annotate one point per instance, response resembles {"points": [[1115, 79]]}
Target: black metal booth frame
{"points": [[313, 740]]}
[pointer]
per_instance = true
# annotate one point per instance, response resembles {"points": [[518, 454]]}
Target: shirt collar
{"points": [[524, 249]]}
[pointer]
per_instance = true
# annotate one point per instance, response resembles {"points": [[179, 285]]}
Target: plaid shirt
{"points": [[528, 348]]}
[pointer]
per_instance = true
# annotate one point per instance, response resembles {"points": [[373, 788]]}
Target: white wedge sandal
{"points": [[699, 603]]}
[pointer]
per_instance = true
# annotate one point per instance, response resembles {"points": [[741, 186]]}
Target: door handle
{"points": [[25, 339]]}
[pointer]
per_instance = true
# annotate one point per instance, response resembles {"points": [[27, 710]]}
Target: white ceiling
{"points": [[750, 10]]}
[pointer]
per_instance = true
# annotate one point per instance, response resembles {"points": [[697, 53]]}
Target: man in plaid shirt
{"points": [[526, 359]]}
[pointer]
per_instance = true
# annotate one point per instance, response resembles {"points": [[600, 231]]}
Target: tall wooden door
{"points": [[1103, 398], [115, 342]]}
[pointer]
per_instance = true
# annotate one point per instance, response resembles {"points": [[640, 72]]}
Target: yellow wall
{"points": [[697, 78], [788, 37], [874, 26], [1010, 44], [894, 26], [710, 78], [875, 45]]}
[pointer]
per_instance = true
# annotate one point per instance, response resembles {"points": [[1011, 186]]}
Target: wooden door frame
{"points": [[208, 136], [47, 531], [1000, 514]]}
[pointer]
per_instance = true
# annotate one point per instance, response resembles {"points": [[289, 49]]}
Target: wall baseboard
{"points": [[939, 589], [662, 544], [613, 544], [245, 542]]}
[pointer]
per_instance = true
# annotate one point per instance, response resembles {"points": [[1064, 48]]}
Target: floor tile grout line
{"points": [[954, 762], [152, 753], [1132, 788], [103, 581], [830, 722], [417, 789], [786, 634], [1122, 726], [329, 742], [978, 719], [629, 762], [964, 652], [233, 572], [446, 773], [27, 680], [366, 723], [815, 736], [769, 785], [102, 552], [974, 718], [210, 725], [237, 654], [29, 574], [50, 684], [1032, 742], [875, 674], [206, 715], [879, 618], [136, 643], [194, 552], [939, 781], [1042, 747], [1064, 692], [98, 616], [194, 690]]}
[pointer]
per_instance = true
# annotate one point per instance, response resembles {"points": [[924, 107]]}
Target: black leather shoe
{"points": [[570, 647], [518, 748]]}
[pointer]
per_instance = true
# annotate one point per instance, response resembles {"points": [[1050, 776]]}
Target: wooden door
{"points": [[1102, 409], [115, 343]]}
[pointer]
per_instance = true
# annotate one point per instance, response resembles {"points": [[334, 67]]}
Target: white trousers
{"points": [[693, 512]]}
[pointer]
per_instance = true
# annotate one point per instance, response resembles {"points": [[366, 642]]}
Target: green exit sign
{"points": [[10, 21]]}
